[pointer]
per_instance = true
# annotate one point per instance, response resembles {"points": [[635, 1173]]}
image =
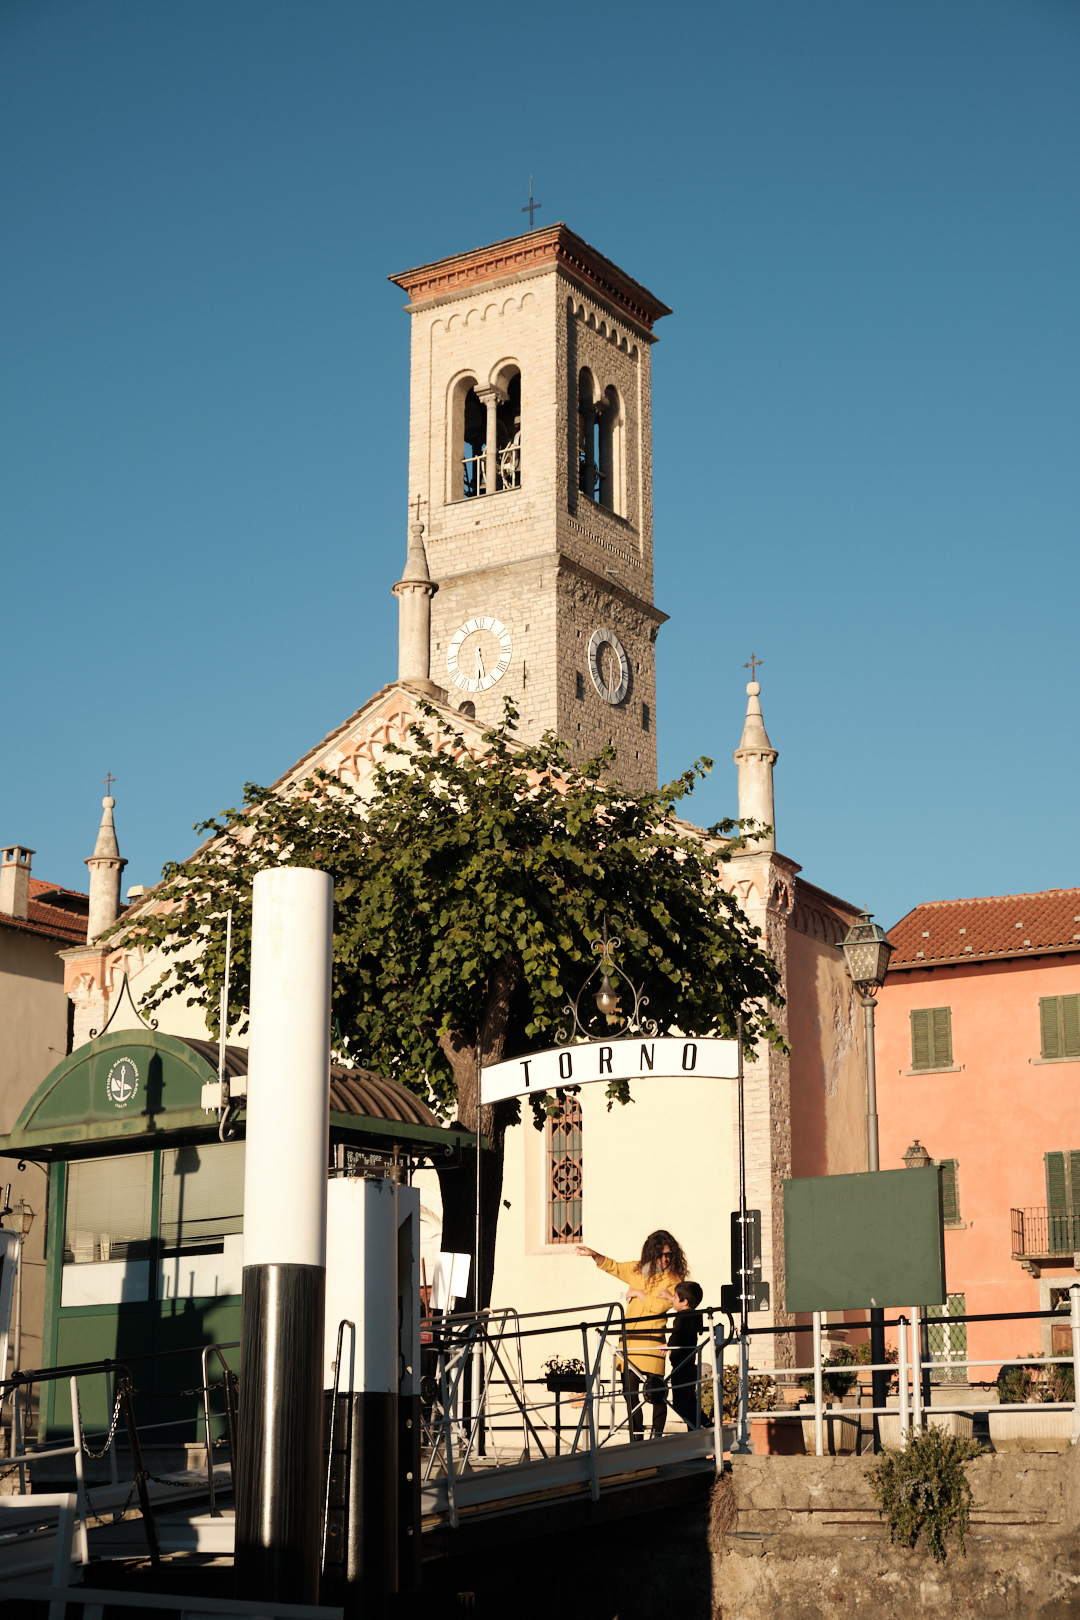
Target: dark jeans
{"points": [[684, 1395], [654, 1391]]}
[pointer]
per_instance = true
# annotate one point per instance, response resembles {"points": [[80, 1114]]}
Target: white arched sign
{"points": [[627, 1059]]}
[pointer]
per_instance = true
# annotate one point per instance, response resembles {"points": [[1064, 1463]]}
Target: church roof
{"points": [[554, 245], [53, 913], [994, 928]]}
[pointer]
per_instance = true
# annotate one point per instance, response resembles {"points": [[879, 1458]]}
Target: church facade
{"points": [[529, 576]]}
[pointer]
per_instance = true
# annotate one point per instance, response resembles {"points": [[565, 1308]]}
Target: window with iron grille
{"points": [[1059, 1026], [947, 1341], [931, 1038], [564, 1174]]}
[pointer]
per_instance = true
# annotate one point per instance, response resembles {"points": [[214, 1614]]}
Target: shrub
{"points": [[762, 1394], [922, 1490]]}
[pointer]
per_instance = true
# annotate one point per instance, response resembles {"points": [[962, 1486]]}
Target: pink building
{"points": [[978, 1060]]}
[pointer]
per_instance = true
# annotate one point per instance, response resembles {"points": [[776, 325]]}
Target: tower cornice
{"points": [[556, 246]]}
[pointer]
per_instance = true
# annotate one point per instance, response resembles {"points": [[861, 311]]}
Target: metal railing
{"points": [[120, 1402], [507, 471], [1044, 1233], [912, 1370], [475, 1394]]}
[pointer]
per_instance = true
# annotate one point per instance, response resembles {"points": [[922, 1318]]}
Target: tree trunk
{"points": [[458, 1183]]}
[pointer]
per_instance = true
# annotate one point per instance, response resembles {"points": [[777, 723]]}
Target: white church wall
{"points": [[664, 1160]]}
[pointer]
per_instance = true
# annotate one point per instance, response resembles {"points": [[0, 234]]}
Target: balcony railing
{"points": [[1044, 1234], [507, 471]]}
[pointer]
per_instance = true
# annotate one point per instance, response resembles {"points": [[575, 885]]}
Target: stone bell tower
{"points": [[530, 479]]}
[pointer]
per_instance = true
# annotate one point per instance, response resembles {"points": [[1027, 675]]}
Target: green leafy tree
{"points": [[468, 893]]}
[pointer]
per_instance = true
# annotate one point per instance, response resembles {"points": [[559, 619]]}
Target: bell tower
{"points": [[530, 469]]}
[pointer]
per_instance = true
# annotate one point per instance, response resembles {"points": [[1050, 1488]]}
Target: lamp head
{"points": [[867, 952]]}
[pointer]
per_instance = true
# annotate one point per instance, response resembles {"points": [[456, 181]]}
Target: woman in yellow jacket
{"points": [[652, 1282]]}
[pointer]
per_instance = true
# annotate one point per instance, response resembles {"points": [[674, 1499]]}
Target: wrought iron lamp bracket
{"points": [[588, 1026]]}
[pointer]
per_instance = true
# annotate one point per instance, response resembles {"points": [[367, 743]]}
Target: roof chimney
{"points": [[15, 881]]}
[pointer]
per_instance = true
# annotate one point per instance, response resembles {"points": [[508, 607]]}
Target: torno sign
{"points": [[627, 1059]]}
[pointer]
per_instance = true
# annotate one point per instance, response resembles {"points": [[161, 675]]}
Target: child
{"points": [[686, 1329]]}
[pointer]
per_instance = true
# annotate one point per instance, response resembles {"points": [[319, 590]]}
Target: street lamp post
{"points": [[867, 951]]}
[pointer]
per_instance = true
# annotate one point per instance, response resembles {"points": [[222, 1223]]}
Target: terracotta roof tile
{"points": [[999, 926], [53, 922]]}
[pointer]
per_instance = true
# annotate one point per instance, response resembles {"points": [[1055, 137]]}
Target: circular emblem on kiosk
{"points": [[122, 1084]]}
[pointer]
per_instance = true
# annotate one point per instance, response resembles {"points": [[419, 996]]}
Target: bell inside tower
{"points": [[491, 414]]}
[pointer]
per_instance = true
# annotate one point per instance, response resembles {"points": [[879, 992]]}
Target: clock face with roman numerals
{"points": [[479, 654]]}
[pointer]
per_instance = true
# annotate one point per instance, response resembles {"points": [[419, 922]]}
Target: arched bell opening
{"points": [[588, 436]]}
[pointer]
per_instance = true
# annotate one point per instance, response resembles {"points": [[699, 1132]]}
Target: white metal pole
{"points": [[819, 1425], [279, 1473], [902, 1370], [80, 1478], [1074, 1309], [916, 1372]]}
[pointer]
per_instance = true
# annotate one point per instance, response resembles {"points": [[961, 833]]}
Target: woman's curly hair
{"points": [[651, 1250]]}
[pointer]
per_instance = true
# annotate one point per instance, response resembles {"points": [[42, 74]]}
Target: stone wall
{"points": [[808, 1541]]}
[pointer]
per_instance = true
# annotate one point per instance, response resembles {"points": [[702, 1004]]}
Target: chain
{"points": [[112, 1428]]}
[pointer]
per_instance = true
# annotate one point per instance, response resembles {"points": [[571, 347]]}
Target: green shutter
{"points": [[1048, 1023], [1072, 1179], [942, 1038], [920, 1040], [950, 1191], [1070, 1026], [1056, 1195]]}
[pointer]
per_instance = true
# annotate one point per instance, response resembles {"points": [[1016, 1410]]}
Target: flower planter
{"points": [[567, 1383], [959, 1424], [774, 1437], [1025, 1428], [841, 1434]]}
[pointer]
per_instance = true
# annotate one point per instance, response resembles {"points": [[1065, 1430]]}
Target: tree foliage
{"points": [[468, 893]]}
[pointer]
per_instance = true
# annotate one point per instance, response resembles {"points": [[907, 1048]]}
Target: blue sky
{"points": [[865, 404]]}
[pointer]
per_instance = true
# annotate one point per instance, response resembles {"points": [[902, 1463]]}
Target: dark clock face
{"points": [[609, 666]]}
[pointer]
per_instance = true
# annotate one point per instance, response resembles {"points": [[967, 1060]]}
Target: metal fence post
{"points": [[819, 1425], [916, 1373], [718, 1395], [80, 1479], [1074, 1307], [902, 1373]]}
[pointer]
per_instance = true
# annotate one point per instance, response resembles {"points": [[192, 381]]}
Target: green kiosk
{"points": [[144, 1241]]}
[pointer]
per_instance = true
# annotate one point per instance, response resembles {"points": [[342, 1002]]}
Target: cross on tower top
{"points": [[419, 498], [754, 664], [531, 207], [107, 782]]}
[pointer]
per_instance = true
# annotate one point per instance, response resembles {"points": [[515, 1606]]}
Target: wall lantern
{"points": [[916, 1157]]}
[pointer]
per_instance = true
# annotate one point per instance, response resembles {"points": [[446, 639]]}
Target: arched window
{"points": [[508, 431], [588, 436], [610, 435]]}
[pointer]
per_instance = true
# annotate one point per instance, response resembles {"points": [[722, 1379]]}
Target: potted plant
{"points": [[1025, 1428], [565, 1377], [838, 1378]]}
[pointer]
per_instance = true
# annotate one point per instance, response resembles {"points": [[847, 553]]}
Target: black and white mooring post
{"points": [[279, 1467]]}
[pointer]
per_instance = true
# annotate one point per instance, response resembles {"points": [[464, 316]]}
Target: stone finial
{"points": [[755, 757], [106, 866], [414, 591]]}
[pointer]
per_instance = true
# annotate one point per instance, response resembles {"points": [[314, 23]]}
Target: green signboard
{"points": [[852, 1242]]}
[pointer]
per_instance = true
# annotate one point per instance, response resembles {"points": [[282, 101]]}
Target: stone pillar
{"points": [[755, 757], [106, 869], [491, 398], [414, 591]]}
